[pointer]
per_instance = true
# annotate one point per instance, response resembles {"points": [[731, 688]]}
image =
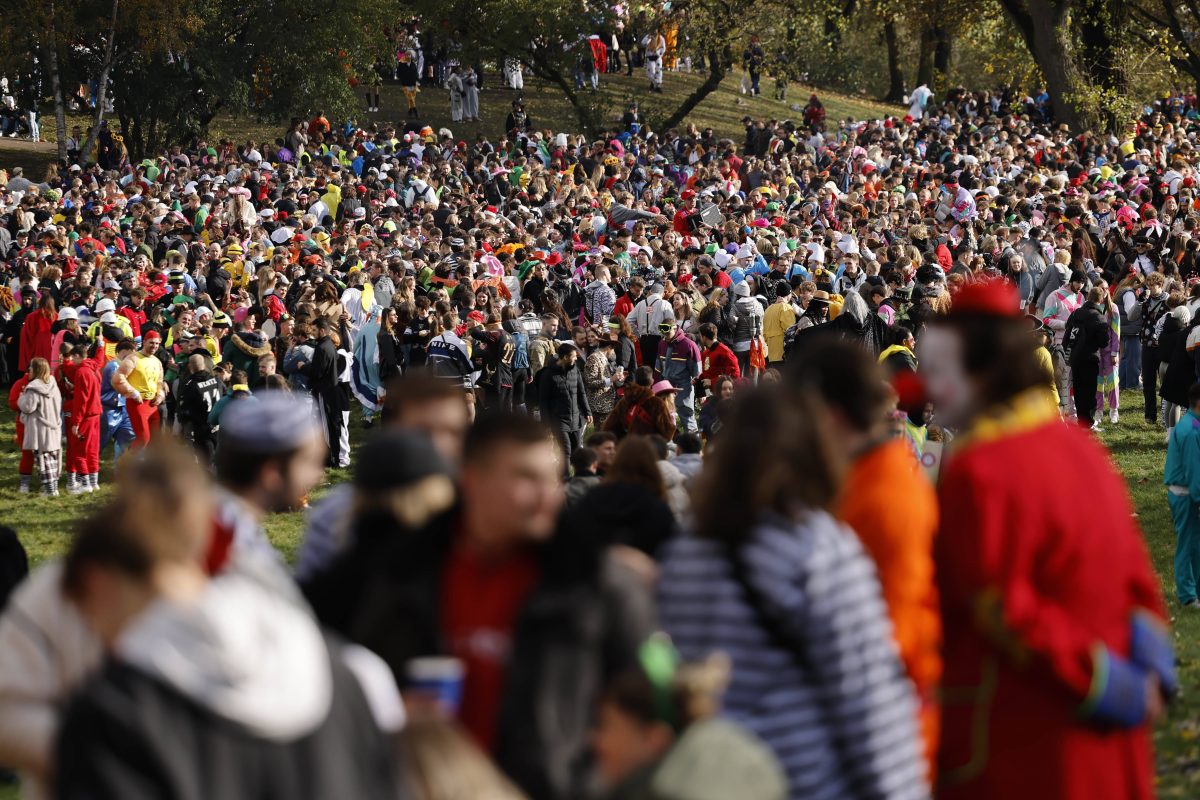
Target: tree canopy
{"points": [[174, 67]]}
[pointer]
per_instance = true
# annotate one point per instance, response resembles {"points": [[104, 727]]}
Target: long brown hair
{"points": [[636, 462], [775, 456]]}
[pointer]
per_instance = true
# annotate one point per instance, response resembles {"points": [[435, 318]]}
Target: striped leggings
{"points": [[47, 462]]}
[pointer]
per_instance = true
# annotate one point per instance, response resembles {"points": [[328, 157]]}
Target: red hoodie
{"points": [[86, 400], [14, 394], [719, 360], [35, 339], [136, 317]]}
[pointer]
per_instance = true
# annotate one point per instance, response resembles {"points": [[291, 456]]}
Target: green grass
{"points": [[547, 106], [1139, 450], [45, 524]]}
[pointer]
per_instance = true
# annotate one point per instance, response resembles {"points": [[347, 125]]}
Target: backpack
{"points": [[1153, 309], [1071, 336], [521, 353]]}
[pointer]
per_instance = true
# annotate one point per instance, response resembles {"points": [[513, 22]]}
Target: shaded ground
{"points": [[722, 111]]}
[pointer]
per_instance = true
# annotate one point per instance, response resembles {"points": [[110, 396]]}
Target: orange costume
{"points": [[893, 508]]}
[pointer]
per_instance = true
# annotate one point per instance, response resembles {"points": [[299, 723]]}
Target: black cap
{"points": [[396, 458]]}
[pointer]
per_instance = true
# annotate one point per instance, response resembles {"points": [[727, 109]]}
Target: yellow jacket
{"points": [[779, 317]]}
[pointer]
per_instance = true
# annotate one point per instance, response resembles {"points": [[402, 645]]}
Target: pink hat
{"points": [[493, 265], [663, 387], [240, 314]]}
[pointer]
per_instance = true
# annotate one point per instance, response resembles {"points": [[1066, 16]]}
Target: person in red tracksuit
{"points": [[25, 469], [36, 336], [83, 435], [718, 358]]}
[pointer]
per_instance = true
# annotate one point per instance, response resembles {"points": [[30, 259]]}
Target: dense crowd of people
{"points": [[645, 508]]}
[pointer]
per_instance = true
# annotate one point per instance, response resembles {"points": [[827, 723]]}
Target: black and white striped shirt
{"points": [[844, 725]]}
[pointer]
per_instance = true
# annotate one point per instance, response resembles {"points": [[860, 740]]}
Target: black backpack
{"points": [[1153, 309], [1071, 335]]}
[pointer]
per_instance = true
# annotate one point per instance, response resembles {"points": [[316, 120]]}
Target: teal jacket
{"points": [[1183, 456]]}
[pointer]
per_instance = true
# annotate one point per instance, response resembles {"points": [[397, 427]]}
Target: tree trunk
{"points": [[1101, 22], [718, 68], [548, 71], [895, 92], [925, 59], [942, 51], [1042, 24], [60, 108], [102, 91]]}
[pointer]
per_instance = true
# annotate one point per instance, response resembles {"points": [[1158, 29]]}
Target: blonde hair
{"points": [[39, 369], [443, 764], [160, 515]]}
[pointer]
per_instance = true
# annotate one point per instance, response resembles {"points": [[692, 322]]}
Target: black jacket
{"points": [[623, 513], [562, 398], [581, 625], [391, 357], [130, 736], [1086, 334], [1181, 365], [322, 371], [198, 393]]}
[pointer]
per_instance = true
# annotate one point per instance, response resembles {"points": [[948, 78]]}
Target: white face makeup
{"points": [[946, 380]]}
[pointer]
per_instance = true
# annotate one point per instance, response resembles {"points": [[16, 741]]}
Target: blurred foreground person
{"points": [[442, 763], [657, 737], [775, 582], [889, 503], [534, 618], [417, 401], [1057, 655], [214, 687], [270, 454], [401, 483], [47, 649]]}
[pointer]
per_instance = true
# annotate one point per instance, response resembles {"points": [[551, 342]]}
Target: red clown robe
{"points": [[1048, 598]]}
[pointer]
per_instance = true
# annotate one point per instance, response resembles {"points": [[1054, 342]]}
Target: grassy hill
{"points": [[722, 111]]}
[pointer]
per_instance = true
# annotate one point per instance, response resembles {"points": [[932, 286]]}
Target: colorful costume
{"points": [[1051, 613], [1106, 387], [893, 509], [364, 378]]}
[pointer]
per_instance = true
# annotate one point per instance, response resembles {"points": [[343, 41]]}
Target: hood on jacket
{"points": [[856, 307], [247, 650], [44, 388], [252, 343]]}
